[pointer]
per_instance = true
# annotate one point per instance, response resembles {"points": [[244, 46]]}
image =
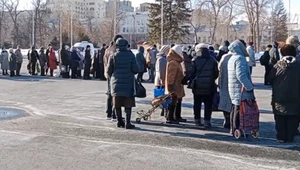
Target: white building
{"points": [[82, 9], [134, 26]]}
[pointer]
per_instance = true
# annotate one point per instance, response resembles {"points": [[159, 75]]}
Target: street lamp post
{"points": [[162, 24], [115, 17]]}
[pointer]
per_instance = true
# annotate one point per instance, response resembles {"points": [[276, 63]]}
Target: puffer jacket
{"points": [[251, 54], [19, 56], [239, 74], [121, 69], [204, 82], [174, 75], [285, 94], [43, 58], [160, 69], [140, 59], [4, 60], [12, 61]]}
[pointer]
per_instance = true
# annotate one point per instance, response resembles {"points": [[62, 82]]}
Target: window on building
{"points": [[92, 3], [127, 30], [124, 29]]}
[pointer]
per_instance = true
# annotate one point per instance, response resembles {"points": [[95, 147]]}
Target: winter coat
{"points": [[285, 80], [108, 53], [87, 56], [81, 65], [187, 65], [225, 101], [52, 59], [153, 53], [140, 59], [251, 56], [160, 70], [19, 56], [12, 61], [101, 55], [212, 54], [121, 69], [239, 74], [64, 57], [223, 50], [174, 75], [204, 82], [4, 60], [75, 59], [33, 56], [274, 56], [43, 59]]}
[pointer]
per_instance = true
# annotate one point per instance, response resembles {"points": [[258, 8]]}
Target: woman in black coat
{"points": [[121, 69]]}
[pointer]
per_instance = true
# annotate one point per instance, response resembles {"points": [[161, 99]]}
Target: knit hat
{"points": [[199, 46], [165, 49], [293, 40], [178, 50]]}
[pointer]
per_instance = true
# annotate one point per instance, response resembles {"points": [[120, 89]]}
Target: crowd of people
{"points": [[171, 68]]}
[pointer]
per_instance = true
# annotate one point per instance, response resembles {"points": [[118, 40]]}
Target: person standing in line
{"points": [[294, 40], [140, 59], [285, 80], [75, 59], [225, 102], [87, 63], [223, 49], [160, 70], [153, 53], [173, 81], [274, 54], [47, 55], [204, 73], [121, 69], [12, 62], [33, 57], [101, 64], [4, 61], [251, 56], [239, 81], [65, 61], [108, 53], [212, 52], [266, 62], [43, 61], [52, 61], [19, 60], [81, 64]]}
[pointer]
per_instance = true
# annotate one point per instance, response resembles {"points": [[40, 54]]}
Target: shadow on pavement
{"points": [[217, 133], [37, 78]]}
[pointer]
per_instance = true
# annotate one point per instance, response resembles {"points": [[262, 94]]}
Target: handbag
{"points": [[191, 84], [139, 89]]}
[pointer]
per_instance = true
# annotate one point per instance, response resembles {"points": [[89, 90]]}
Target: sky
{"points": [[295, 4]]}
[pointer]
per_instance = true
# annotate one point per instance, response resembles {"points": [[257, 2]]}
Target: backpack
{"points": [[265, 58]]}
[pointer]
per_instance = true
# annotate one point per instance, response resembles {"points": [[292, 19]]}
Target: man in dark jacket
{"points": [[274, 54], [204, 73], [285, 80], [223, 50], [87, 63], [33, 57], [101, 64], [65, 62], [75, 59], [265, 61]]}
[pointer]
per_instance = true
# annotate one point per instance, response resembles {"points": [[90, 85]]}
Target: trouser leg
{"points": [[197, 108], [291, 126], [208, 101], [235, 117]]}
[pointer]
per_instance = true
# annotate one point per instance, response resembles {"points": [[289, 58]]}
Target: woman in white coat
{"points": [[4, 62]]}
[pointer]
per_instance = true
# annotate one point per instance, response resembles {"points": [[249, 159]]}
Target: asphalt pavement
{"points": [[60, 124]]}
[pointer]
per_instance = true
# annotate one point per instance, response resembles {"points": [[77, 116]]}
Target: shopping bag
{"points": [[139, 89], [249, 115]]}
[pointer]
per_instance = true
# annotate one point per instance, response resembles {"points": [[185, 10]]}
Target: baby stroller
{"points": [[157, 102]]}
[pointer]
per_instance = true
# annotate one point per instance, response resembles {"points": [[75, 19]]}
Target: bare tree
{"points": [[216, 7], [12, 8], [254, 10]]}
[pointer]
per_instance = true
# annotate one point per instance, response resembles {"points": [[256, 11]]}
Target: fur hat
{"points": [[165, 49], [199, 46], [293, 40], [178, 50]]}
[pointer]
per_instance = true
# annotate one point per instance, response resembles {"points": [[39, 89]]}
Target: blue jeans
{"points": [[109, 105]]}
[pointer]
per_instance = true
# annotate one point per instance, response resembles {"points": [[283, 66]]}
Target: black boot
{"points": [[178, 112], [170, 116], [226, 123], [3, 72], [128, 117], [120, 120]]}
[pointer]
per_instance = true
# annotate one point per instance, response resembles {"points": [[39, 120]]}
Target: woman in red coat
{"points": [[52, 61]]}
